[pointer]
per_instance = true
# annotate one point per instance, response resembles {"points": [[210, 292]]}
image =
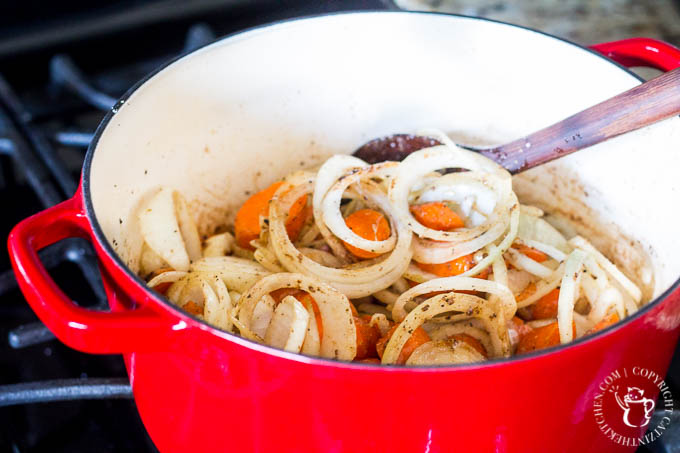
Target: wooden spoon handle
{"points": [[640, 106]]}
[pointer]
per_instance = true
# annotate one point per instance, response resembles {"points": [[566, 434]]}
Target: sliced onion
{"points": [[552, 252], [332, 170], [543, 287], [288, 325], [339, 333], [165, 277], [568, 290], [442, 332], [161, 231], [262, 315], [609, 267], [521, 261], [507, 301], [218, 245], [472, 306], [444, 352], [332, 217], [360, 281], [237, 273], [421, 163], [312, 343]]}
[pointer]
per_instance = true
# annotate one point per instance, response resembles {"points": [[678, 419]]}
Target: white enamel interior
{"points": [[233, 117]]}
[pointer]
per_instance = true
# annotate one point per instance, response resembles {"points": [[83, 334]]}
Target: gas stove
{"points": [[58, 77]]}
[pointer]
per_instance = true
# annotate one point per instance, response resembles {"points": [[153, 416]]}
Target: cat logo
{"points": [[635, 404], [626, 409]]}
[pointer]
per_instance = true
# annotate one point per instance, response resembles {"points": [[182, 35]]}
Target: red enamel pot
{"points": [[232, 117]]}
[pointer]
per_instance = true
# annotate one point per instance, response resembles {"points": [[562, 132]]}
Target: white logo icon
{"points": [[635, 405]]}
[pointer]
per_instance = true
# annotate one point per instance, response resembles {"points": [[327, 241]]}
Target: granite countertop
{"points": [[582, 21]]}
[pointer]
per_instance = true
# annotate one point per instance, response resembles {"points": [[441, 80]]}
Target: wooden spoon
{"points": [[640, 106]]}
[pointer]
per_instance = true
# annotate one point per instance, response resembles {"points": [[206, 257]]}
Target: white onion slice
{"points": [[237, 273], [354, 282], [507, 301], [332, 217], [609, 267], [339, 339], [161, 231], [444, 352], [521, 261], [218, 245], [165, 277], [332, 170], [477, 307], [568, 290], [442, 332], [288, 325], [262, 315], [420, 163]]}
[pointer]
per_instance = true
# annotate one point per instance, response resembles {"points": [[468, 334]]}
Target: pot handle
{"points": [[641, 52], [105, 332]]}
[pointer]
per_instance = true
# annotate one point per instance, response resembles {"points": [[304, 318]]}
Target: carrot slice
{"points": [[368, 224], [193, 308], [605, 322], [471, 341], [450, 268], [303, 296], [437, 215], [530, 252], [247, 222], [163, 287], [367, 337], [546, 306], [540, 338], [418, 338], [372, 361]]}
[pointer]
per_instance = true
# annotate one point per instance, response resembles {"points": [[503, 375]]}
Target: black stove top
{"points": [[60, 71]]}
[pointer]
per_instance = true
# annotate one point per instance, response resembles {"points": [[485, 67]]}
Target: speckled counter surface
{"points": [[582, 21]]}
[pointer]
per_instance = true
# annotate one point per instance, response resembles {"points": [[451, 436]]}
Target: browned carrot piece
{"points": [[372, 361], [193, 308], [247, 222], [530, 252], [540, 338], [471, 341], [368, 224], [163, 287], [437, 215], [367, 337], [418, 338], [605, 322], [546, 306], [450, 268]]}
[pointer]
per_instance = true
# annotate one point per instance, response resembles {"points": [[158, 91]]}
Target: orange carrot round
{"points": [[368, 224], [546, 306], [605, 322], [450, 268], [163, 287], [530, 252], [367, 337], [193, 308], [247, 222], [471, 341], [418, 338], [541, 338], [437, 215]]}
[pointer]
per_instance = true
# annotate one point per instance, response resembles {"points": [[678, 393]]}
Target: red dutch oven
{"points": [[232, 117]]}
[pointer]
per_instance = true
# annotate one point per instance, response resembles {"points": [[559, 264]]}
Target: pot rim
{"points": [[99, 236]]}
